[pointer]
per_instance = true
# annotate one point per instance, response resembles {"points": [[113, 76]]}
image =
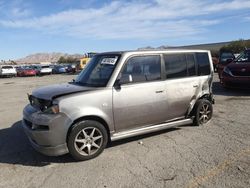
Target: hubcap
{"points": [[204, 114], [88, 141]]}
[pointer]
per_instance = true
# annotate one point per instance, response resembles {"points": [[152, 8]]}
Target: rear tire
{"points": [[203, 112], [87, 140]]}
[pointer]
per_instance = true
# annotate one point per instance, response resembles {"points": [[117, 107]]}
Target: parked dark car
{"points": [[71, 68], [237, 73], [224, 59], [26, 71], [58, 69]]}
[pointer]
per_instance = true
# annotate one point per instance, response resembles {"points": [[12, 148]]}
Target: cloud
{"points": [[15, 9], [17, 12], [134, 19]]}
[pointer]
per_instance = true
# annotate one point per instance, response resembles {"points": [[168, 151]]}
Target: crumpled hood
{"points": [[53, 91]]}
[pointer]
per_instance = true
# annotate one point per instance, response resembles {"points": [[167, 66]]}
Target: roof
{"points": [[147, 51]]}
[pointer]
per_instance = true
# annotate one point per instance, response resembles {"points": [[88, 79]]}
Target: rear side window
{"points": [[203, 64], [143, 68], [176, 65]]}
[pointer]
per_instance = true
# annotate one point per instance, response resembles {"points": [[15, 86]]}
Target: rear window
{"points": [[7, 67], [203, 64], [45, 67]]}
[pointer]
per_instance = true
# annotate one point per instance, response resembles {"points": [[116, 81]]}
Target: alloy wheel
{"points": [[88, 141], [205, 114]]}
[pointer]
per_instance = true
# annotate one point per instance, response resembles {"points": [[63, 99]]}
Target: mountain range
{"points": [[54, 57], [45, 57]]}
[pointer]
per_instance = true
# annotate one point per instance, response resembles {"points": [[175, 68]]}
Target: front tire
{"points": [[203, 112], [87, 140]]}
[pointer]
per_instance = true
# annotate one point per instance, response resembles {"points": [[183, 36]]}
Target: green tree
{"points": [[67, 60], [62, 60], [236, 46]]}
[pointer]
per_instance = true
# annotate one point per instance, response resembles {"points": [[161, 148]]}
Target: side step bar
{"points": [[149, 129]]}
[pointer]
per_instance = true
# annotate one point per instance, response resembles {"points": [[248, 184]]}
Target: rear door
{"points": [[142, 100], [181, 83]]}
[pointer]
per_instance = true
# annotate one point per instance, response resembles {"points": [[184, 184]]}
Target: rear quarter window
{"points": [[203, 63]]}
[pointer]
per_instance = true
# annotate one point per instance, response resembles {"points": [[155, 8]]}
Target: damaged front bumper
{"points": [[46, 132]]}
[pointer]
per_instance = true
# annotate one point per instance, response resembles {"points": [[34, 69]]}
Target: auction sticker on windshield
{"points": [[109, 60]]}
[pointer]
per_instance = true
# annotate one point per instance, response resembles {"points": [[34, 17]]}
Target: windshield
{"points": [[244, 57], [226, 55], [98, 71]]}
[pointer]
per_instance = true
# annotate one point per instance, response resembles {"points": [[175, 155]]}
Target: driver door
{"points": [[141, 99]]}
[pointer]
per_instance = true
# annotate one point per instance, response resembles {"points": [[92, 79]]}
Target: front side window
{"points": [[98, 71], [142, 68]]}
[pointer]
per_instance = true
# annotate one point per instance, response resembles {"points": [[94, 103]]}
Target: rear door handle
{"points": [[160, 91], [195, 86]]}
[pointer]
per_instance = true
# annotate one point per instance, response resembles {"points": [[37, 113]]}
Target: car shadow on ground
{"points": [[218, 89], [16, 149]]}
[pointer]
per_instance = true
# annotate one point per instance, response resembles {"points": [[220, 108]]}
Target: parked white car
{"points": [[45, 69], [7, 70]]}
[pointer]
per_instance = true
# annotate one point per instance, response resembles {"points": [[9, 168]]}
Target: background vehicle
{"points": [[44, 70], [7, 71], [85, 60], [26, 71], [224, 59], [119, 95], [71, 68], [58, 69], [237, 73]]}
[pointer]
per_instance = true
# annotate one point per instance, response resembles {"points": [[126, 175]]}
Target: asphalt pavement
{"points": [[215, 155]]}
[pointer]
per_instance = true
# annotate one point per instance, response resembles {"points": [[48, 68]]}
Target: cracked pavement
{"points": [[215, 155]]}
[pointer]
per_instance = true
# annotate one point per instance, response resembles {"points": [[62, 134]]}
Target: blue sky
{"points": [[79, 26]]}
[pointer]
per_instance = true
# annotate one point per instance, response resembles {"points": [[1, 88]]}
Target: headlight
{"points": [[52, 109], [227, 70]]}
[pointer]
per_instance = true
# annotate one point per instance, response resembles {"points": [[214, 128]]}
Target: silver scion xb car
{"points": [[119, 95]]}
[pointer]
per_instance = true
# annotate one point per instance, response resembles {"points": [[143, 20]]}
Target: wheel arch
{"points": [[90, 117], [208, 97]]}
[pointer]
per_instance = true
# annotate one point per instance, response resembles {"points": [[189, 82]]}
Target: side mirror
{"points": [[125, 78]]}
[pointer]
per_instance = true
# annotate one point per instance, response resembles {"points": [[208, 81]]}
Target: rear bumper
{"points": [[29, 74], [8, 74]]}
